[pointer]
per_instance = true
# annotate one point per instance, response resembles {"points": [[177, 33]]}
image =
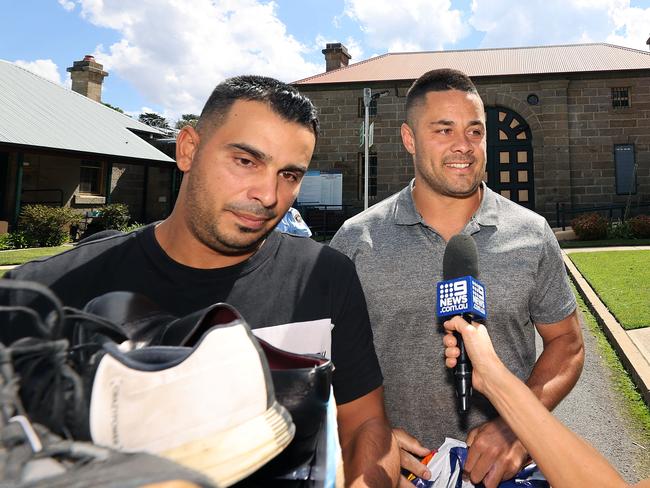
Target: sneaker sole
{"points": [[249, 446]]}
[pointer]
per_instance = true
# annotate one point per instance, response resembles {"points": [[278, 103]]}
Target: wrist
{"points": [[496, 380]]}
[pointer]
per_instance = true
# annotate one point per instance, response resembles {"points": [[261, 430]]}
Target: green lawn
{"points": [[20, 256], [622, 281]]}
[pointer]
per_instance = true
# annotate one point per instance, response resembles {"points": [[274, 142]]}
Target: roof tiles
{"points": [[490, 62]]}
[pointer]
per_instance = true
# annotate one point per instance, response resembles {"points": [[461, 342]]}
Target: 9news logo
{"points": [[453, 296], [459, 296]]}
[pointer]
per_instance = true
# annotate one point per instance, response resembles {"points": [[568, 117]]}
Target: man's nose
{"points": [[265, 189], [462, 143]]}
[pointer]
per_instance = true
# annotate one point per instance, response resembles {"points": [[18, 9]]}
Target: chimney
{"points": [[336, 56], [87, 77]]}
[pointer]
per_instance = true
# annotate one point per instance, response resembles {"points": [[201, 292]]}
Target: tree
{"points": [[154, 120], [187, 119], [117, 109]]}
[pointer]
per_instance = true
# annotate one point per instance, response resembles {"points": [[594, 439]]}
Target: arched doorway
{"points": [[510, 156]]}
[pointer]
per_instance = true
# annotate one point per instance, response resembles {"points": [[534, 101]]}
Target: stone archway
{"points": [[510, 156]]}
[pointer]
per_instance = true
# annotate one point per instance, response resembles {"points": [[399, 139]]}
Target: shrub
{"points": [[4, 242], [132, 227], [640, 226], [43, 226], [114, 216], [620, 230], [590, 227], [14, 240]]}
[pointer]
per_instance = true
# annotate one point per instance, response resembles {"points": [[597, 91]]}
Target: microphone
{"points": [[461, 294]]}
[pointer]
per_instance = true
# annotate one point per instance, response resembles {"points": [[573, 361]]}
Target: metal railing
{"points": [[325, 220], [564, 213]]}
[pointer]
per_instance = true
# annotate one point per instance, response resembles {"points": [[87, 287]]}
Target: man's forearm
{"points": [[557, 369], [371, 457]]}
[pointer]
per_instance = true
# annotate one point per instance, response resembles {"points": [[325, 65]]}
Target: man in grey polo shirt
{"points": [[397, 246]]}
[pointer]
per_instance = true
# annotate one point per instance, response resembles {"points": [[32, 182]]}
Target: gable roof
{"points": [[570, 58], [37, 112]]}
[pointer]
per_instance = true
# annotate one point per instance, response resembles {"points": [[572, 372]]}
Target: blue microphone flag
{"points": [[460, 296]]}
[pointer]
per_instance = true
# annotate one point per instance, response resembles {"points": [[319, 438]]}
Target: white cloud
{"points": [[42, 67], [67, 4], [175, 54], [409, 25], [632, 27], [544, 22]]}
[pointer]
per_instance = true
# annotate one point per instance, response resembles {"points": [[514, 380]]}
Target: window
{"points": [[372, 109], [625, 169], [372, 171], [620, 97], [91, 177]]}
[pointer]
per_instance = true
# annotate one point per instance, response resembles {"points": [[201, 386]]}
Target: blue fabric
{"points": [[451, 475], [293, 224]]}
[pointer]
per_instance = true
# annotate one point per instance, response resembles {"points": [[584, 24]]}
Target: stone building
{"points": [[61, 148], [566, 125]]}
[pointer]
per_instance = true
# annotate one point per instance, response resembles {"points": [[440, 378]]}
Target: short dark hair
{"points": [[283, 99], [434, 81]]}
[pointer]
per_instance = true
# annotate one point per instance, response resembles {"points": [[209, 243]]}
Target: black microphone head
{"points": [[460, 258]]}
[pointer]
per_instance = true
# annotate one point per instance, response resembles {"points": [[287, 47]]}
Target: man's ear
{"points": [[187, 144], [408, 138]]}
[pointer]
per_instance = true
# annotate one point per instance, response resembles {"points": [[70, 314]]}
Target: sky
{"points": [[166, 56]]}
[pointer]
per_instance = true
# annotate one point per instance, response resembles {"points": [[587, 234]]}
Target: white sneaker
{"points": [[210, 407]]}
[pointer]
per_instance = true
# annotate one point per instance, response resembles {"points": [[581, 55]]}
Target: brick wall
{"points": [[574, 129]]}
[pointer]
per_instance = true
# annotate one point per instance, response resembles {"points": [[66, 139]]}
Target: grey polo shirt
{"points": [[399, 261]]}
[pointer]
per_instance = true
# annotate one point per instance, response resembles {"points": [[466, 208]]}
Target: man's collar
{"points": [[487, 212], [405, 211], [407, 214]]}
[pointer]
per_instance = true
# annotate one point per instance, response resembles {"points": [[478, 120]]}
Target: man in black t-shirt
{"points": [[242, 167]]}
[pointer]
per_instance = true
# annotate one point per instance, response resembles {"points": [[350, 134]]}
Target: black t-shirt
{"points": [[292, 292]]}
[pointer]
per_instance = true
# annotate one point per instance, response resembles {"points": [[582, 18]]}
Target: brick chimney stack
{"points": [[87, 77], [336, 56]]}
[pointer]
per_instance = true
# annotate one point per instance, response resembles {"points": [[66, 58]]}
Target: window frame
{"points": [[100, 168]]}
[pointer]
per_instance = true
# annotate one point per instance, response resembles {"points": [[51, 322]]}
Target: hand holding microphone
{"points": [[486, 365], [461, 294]]}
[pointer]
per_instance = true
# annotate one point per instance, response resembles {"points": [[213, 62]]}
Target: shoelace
{"points": [[22, 442], [51, 366]]}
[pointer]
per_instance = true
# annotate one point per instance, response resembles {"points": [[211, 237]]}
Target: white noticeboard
{"points": [[310, 189], [321, 189], [331, 189]]}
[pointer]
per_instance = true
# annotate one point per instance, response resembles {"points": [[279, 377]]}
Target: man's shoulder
{"points": [[378, 219], [513, 215], [85, 252], [306, 251], [379, 212]]}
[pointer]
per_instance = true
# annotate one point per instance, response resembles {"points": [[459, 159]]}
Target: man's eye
{"points": [[244, 161], [444, 131], [289, 176]]}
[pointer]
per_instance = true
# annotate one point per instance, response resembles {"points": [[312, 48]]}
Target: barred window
{"points": [[620, 97]]}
